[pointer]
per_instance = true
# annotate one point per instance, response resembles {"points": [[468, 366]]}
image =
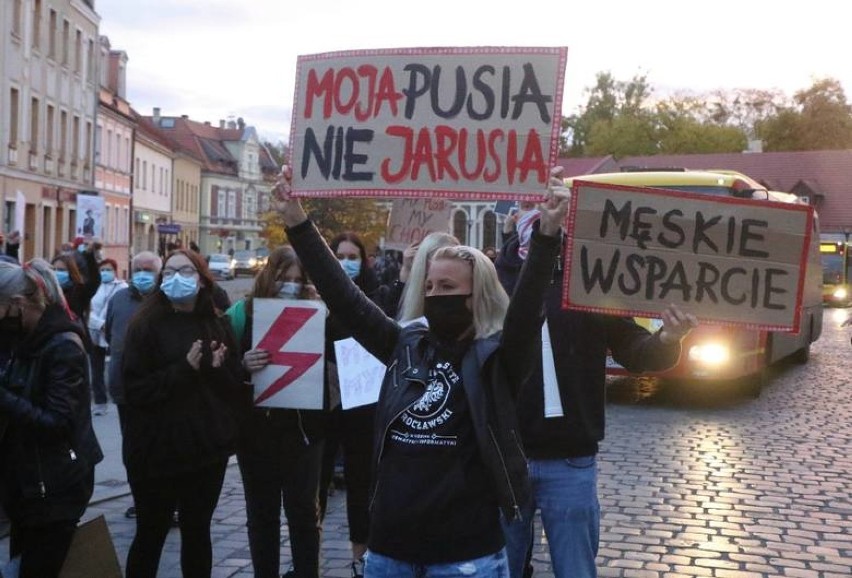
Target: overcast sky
{"points": [[215, 59]]}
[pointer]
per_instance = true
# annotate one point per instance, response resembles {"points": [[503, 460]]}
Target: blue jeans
{"points": [[491, 566], [566, 493]]}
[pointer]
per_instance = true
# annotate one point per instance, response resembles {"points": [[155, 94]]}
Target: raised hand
{"points": [[555, 207], [290, 208], [676, 324]]}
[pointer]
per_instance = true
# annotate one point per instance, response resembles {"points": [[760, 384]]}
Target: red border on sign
{"points": [[569, 245], [555, 129]]}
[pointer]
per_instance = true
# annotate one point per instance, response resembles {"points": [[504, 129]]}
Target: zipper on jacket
{"points": [[41, 486], [302, 429], [515, 508]]}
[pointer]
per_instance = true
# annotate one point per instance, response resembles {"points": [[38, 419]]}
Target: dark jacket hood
{"points": [[55, 319]]}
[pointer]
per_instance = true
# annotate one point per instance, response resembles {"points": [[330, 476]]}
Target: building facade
{"points": [[48, 95], [152, 191], [114, 136], [186, 197], [237, 175]]}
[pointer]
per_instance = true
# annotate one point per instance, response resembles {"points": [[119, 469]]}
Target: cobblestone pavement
{"points": [[698, 481]]}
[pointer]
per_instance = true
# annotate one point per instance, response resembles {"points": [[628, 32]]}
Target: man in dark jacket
{"points": [[145, 268], [561, 413]]}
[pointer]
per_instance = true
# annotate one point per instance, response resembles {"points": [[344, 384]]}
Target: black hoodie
{"points": [[49, 450]]}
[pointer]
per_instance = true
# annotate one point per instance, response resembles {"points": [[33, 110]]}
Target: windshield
{"points": [[243, 255], [832, 269], [218, 258]]}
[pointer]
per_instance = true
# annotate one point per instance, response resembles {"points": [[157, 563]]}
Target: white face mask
{"points": [[289, 290]]}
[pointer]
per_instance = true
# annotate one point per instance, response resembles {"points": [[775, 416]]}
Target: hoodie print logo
{"points": [[423, 421]]}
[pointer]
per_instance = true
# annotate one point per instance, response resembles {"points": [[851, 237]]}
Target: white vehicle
{"points": [[221, 266]]}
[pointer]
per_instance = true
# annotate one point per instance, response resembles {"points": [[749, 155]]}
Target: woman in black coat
{"points": [[48, 449], [184, 396]]}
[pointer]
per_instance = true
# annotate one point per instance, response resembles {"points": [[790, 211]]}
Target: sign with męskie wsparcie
{"points": [[634, 250]]}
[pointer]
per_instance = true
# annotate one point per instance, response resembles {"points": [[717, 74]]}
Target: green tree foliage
{"points": [[820, 118], [366, 217]]}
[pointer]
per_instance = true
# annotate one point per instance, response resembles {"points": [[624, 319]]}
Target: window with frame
{"points": [[144, 175], [36, 40], [460, 227], [52, 31], [63, 135], [222, 204], [14, 112], [49, 129], [232, 204], [90, 57], [88, 142], [99, 143], [66, 42], [17, 17], [489, 230], [34, 125], [75, 139], [78, 51], [107, 159]]}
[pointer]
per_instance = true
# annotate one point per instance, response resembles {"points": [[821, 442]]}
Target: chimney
{"points": [[241, 124], [206, 123], [754, 146], [221, 123], [185, 116], [157, 115], [232, 125]]}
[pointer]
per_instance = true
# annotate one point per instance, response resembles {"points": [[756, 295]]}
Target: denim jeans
{"points": [[491, 566], [565, 491]]}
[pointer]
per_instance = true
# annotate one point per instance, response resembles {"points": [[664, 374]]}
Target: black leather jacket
{"points": [[493, 368], [49, 450]]}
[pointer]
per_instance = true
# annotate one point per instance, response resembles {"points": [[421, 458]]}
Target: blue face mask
{"points": [[179, 289], [143, 281], [107, 276], [63, 277], [81, 248], [351, 266], [289, 290]]}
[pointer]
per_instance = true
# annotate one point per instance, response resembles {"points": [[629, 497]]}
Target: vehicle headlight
{"points": [[840, 293], [710, 353], [252, 262]]}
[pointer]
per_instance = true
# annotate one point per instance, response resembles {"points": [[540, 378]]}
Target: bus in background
{"points": [[836, 253], [717, 353]]}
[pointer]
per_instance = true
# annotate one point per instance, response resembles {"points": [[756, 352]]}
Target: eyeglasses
{"points": [[185, 271]]}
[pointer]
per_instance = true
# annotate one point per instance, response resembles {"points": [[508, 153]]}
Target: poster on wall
{"points": [[90, 216], [459, 122]]}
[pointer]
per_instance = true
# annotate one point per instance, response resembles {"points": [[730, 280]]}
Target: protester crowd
{"points": [[443, 473]]}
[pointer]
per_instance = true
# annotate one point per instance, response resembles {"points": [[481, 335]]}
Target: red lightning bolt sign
{"points": [[282, 330]]}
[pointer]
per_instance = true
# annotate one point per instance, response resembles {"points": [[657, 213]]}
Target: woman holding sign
{"points": [[184, 396], [446, 455], [280, 450]]}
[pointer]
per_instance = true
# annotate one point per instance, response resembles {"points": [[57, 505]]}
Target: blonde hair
{"points": [[489, 299], [411, 302]]}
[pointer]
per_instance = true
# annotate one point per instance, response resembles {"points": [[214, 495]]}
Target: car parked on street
{"points": [[221, 266], [246, 262]]}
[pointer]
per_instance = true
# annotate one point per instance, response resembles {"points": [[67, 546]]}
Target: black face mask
{"points": [[448, 315], [11, 332]]}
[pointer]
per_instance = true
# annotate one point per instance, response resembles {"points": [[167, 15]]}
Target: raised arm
{"points": [[369, 325]]}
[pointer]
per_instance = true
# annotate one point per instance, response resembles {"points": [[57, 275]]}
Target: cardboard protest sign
{"points": [[92, 552], [360, 374], [471, 123], [412, 219], [633, 251], [293, 332]]}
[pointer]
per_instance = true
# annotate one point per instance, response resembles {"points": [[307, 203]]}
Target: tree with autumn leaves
{"points": [[366, 217]]}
